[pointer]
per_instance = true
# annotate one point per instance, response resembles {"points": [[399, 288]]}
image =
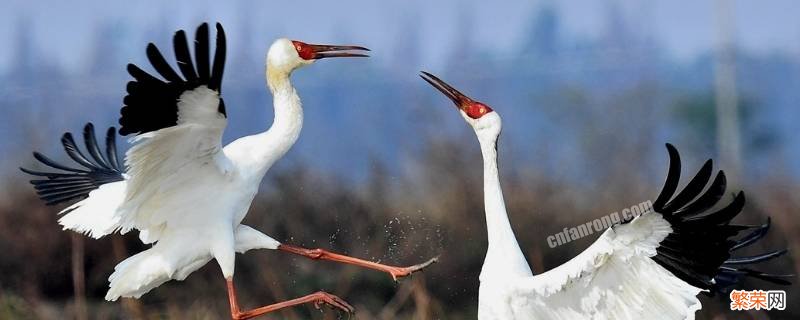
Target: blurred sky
{"points": [[630, 62], [683, 27]]}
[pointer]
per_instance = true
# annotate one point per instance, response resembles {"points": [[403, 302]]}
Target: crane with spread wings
{"points": [[647, 267], [179, 187]]}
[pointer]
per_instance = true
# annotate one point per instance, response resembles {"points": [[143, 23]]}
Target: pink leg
{"points": [[318, 298], [320, 254]]}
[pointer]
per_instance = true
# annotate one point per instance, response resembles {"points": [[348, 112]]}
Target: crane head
{"points": [[319, 51], [286, 55], [481, 117], [469, 107]]}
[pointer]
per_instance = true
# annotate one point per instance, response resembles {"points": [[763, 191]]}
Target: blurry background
{"points": [[385, 169]]}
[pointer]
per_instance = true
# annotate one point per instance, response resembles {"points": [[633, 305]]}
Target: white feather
{"points": [[95, 216], [614, 278], [172, 257], [170, 167], [188, 195], [247, 238]]}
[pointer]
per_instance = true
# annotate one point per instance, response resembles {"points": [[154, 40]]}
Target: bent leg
{"points": [[320, 254], [318, 298]]}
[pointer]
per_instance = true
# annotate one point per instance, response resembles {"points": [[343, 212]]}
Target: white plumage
{"points": [[650, 267], [184, 192], [614, 278], [95, 216]]}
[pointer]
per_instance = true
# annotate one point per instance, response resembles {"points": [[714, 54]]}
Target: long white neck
{"points": [[263, 149], [503, 257]]}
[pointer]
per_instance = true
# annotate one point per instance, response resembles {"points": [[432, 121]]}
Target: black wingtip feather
{"points": [[160, 64], [55, 165], [151, 103], [74, 184], [778, 279], [90, 140], [729, 277], [219, 61], [753, 236], [699, 248], [692, 189], [111, 149], [201, 53], [724, 215], [51, 175], [73, 152], [709, 198], [757, 258], [671, 183], [183, 57]]}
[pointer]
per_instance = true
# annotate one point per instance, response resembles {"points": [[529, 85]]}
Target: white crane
{"points": [[182, 190], [650, 267]]}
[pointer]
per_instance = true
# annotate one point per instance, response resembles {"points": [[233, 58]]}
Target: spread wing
{"points": [[152, 103], [178, 124], [654, 265], [98, 185]]}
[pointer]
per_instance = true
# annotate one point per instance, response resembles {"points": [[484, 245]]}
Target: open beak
{"points": [[322, 51], [460, 100]]}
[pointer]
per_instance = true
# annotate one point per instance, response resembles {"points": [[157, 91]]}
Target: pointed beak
{"points": [[322, 51], [458, 98]]}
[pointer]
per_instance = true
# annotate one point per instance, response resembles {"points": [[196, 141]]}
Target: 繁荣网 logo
{"points": [[758, 300]]}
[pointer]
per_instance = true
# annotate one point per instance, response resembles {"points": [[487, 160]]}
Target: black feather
{"points": [[75, 184], [73, 152], [61, 187], [90, 140], [55, 165], [752, 237], [52, 198], [51, 175], [183, 58], [769, 277], [724, 215], [698, 250], [219, 61], [141, 76], [152, 103], [708, 199], [673, 176], [692, 189], [60, 181], [161, 65], [201, 52], [728, 277], [111, 149], [756, 259]]}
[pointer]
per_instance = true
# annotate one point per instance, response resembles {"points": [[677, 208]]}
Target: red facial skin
{"points": [[303, 50], [476, 110]]}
